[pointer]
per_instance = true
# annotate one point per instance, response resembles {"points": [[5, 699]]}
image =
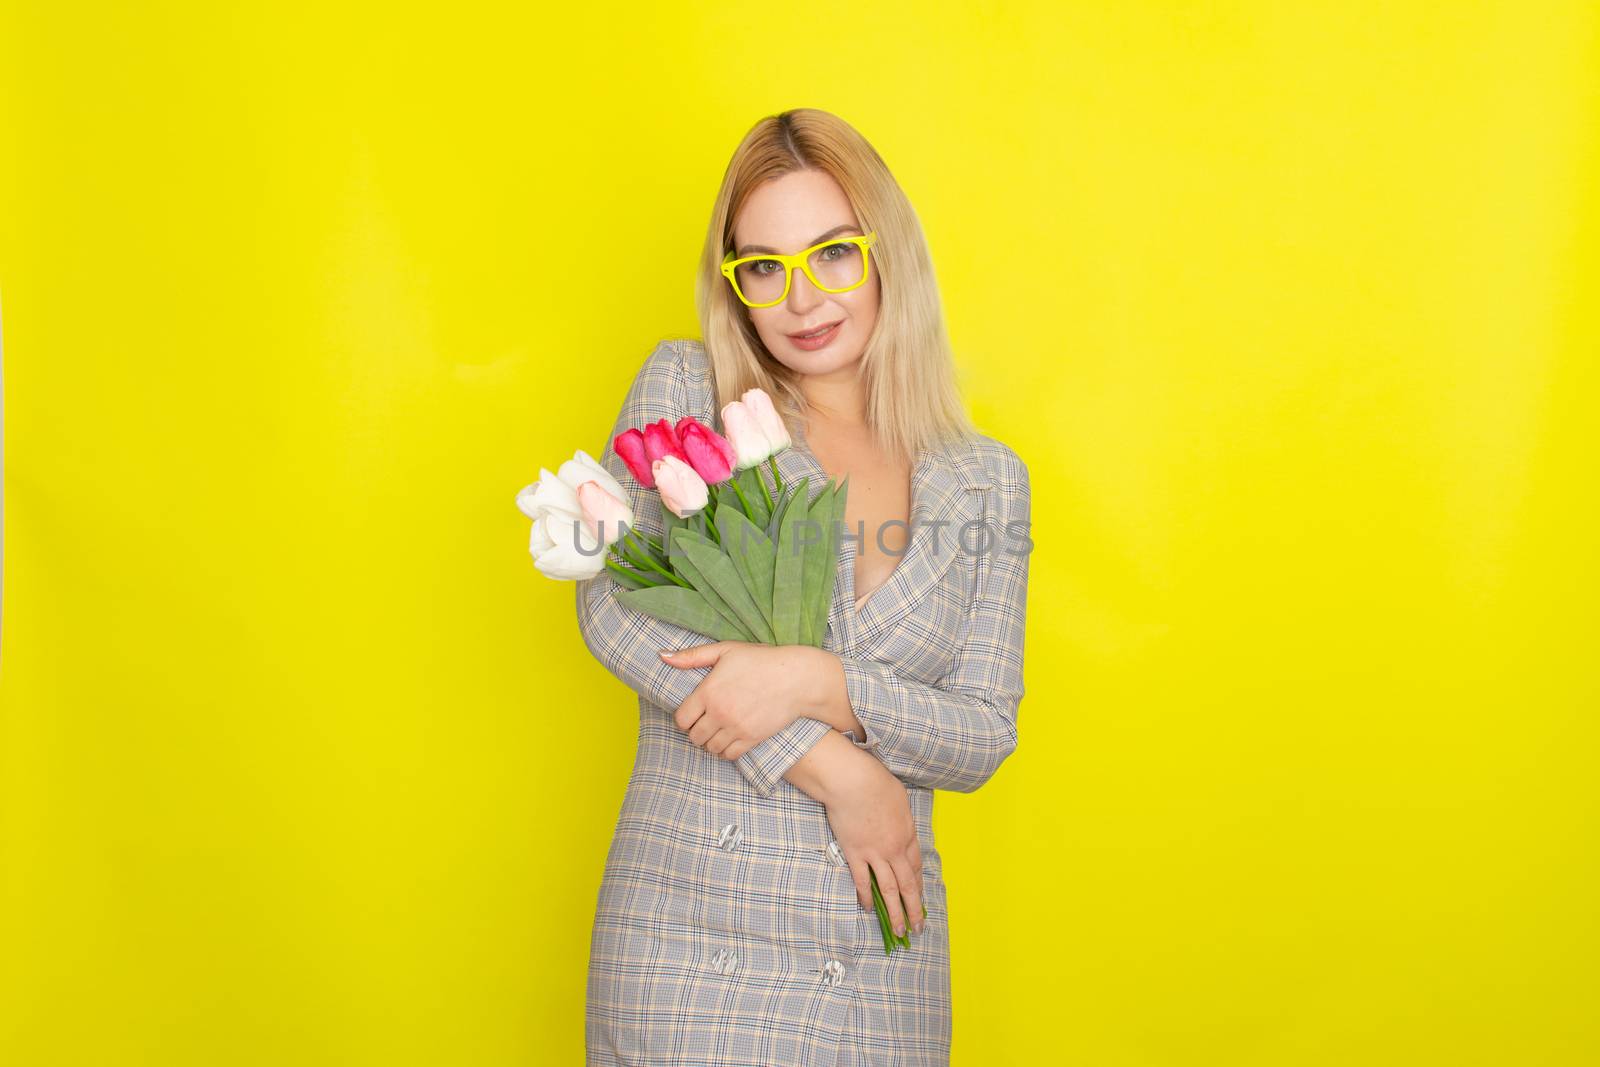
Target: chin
{"points": [[818, 362]]}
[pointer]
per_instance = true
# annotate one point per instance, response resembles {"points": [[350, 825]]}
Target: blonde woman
{"points": [[735, 922]]}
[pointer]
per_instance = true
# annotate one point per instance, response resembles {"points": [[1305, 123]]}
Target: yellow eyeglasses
{"points": [[836, 265]]}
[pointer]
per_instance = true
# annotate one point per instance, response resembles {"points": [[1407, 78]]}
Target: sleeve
{"points": [[626, 641], [955, 735]]}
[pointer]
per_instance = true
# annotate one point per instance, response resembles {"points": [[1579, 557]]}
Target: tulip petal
{"points": [[562, 559], [549, 493], [630, 448], [749, 441], [683, 492], [759, 404], [583, 468]]}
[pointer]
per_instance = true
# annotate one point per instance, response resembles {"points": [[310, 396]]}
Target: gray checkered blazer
{"points": [[727, 930]]}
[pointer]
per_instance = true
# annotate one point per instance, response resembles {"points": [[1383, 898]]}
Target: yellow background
{"points": [[1290, 308]]}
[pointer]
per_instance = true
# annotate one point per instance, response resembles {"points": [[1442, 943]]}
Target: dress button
{"points": [[835, 854], [723, 962], [730, 837], [832, 972]]}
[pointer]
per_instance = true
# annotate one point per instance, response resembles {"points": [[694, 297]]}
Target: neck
{"points": [[836, 397]]}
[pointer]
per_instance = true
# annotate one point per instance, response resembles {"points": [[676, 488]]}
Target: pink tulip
{"points": [[750, 444], [759, 404], [682, 490], [630, 447], [603, 514], [711, 457]]}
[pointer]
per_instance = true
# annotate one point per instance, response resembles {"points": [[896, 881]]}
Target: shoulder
{"points": [[665, 361], [693, 354], [675, 379], [1006, 470], [669, 372], [699, 383]]}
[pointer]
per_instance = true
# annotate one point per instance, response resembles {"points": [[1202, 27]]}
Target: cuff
{"points": [[872, 738], [867, 686], [766, 763]]}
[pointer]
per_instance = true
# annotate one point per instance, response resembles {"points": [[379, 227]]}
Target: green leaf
{"points": [[719, 570], [788, 606], [702, 582], [681, 607], [753, 554], [670, 522], [749, 481], [774, 525], [821, 563]]}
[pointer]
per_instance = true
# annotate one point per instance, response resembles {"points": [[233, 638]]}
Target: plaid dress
{"points": [[727, 930]]}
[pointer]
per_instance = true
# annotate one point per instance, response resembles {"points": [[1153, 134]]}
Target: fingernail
{"points": [[900, 931], [664, 655]]}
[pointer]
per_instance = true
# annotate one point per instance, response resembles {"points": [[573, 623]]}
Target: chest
{"points": [[877, 507]]}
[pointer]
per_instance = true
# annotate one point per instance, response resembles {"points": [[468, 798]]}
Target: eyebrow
{"points": [[821, 237]]}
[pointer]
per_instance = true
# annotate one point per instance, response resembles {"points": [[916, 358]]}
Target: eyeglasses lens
{"points": [[836, 266]]}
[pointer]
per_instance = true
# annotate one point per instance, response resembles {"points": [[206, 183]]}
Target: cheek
{"points": [[772, 337], [864, 309], [766, 329]]}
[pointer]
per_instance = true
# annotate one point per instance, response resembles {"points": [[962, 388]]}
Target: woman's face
{"points": [[787, 215]]}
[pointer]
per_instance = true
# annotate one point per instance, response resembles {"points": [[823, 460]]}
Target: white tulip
{"points": [[561, 544]]}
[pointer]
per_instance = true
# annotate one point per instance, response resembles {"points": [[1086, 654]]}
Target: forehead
{"points": [[788, 213]]}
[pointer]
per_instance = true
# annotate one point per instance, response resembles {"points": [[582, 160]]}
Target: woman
{"points": [[735, 922]]}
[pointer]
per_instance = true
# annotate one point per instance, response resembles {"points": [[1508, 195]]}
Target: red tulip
{"points": [[711, 456], [661, 440], [630, 447]]}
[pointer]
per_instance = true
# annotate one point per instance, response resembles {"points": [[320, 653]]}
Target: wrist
{"points": [[827, 696], [830, 769]]}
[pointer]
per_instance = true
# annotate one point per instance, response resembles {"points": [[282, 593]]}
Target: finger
{"points": [[690, 711], [718, 741], [702, 730], [736, 749], [696, 656], [910, 893], [889, 886], [859, 875]]}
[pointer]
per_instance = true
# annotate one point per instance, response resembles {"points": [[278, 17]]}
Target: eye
{"points": [[839, 251], [762, 266]]}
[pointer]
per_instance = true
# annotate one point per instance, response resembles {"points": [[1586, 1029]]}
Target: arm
{"points": [[829, 768], [626, 641], [953, 736]]}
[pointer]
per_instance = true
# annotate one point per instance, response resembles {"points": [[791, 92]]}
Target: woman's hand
{"points": [[752, 692], [870, 813]]}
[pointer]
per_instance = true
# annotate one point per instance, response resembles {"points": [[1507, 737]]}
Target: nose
{"points": [[803, 296]]}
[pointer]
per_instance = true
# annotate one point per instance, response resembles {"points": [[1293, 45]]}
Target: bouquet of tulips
{"points": [[739, 559]]}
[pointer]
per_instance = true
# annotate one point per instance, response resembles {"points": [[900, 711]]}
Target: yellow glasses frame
{"points": [[801, 260]]}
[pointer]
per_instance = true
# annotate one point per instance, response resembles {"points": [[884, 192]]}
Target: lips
{"points": [[807, 334]]}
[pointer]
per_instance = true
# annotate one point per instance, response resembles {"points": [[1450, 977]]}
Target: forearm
{"points": [[829, 767], [926, 736], [939, 738], [829, 694]]}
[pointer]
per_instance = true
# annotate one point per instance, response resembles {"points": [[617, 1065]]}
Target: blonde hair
{"points": [[908, 368]]}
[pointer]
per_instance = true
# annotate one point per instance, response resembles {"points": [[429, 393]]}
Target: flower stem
{"points": [[772, 462], [631, 572], [883, 914], [744, 502], [646, 560]]}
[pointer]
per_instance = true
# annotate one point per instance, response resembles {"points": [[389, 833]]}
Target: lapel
{"points": [[947, 485]]}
